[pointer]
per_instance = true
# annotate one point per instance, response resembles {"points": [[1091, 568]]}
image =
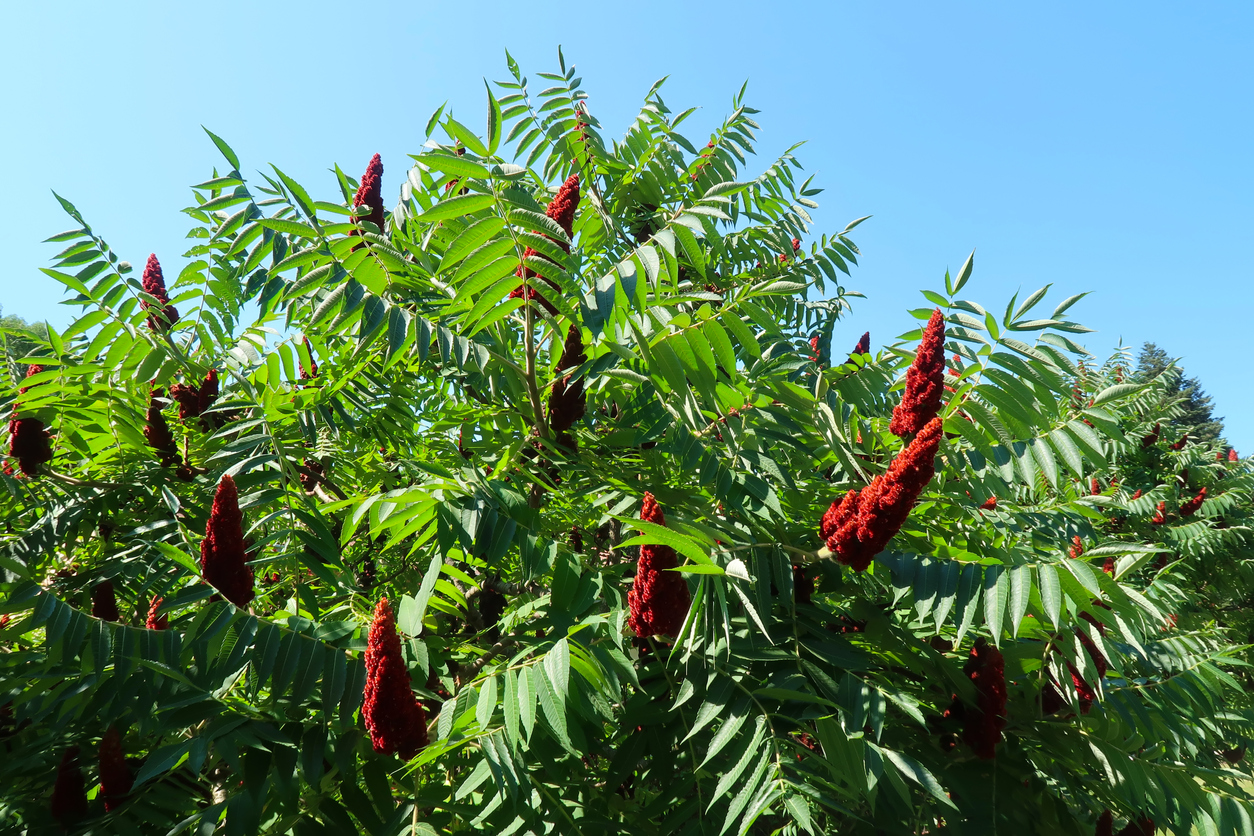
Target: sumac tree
{"points": [[563, 458]]}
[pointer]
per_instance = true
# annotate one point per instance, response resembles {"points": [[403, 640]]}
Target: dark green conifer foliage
{"points": [[1196, 416]]}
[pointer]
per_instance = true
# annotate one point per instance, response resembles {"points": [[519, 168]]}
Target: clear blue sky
{"points": [[1098, 146]]}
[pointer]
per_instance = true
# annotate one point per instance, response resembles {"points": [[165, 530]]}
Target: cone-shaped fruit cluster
{"points": [[658, 598], [567, 400], [394, 717], [370, 192], [29, 441], [115, 776], [194, 400], [858, 527], [562, 210], [104, 603], [156, 620], [30, 444], [311, 372], [1189, 508], [208, 392], [157, 433], [1100, 664], [1086, 693], [802, 585], [863, 346], [1143, 826], [69, 796], [925, 381], [222, 552], [982, 728], [161, 316], [31, 370]]}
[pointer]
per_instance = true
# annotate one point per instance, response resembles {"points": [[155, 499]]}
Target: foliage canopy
{"points": [[1049, 635]]}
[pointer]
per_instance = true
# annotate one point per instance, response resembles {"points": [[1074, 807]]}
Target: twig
{"points": [[473, 669], [81, 483], [807, 556], [323, 495], [413, 824]]}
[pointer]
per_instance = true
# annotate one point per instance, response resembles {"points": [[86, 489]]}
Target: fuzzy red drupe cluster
{"points": [[1190, 507], [115, 776], [863, 346], [561, 210], [1087, 693], [563, 206], [567, 399], [31, 370], [982, 729], [104, 603], [311, 372], [164, 315], [370, 192], [156, 619], [194, 400], [29, 441], [658, 598], [1051, 700], [69, 795], [393, 716], [30, 444], [223, 558], [925, 381], [858, 527], [802, 585], [157, 432], [1144, 826]]}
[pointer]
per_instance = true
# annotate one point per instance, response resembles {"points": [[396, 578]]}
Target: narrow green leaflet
{"points": [[455, 207]]}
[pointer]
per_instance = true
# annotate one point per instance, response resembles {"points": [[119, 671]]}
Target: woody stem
{"points": [[810, 556], [495, 650], [529, 373], [79, 483], [413, 822]]}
